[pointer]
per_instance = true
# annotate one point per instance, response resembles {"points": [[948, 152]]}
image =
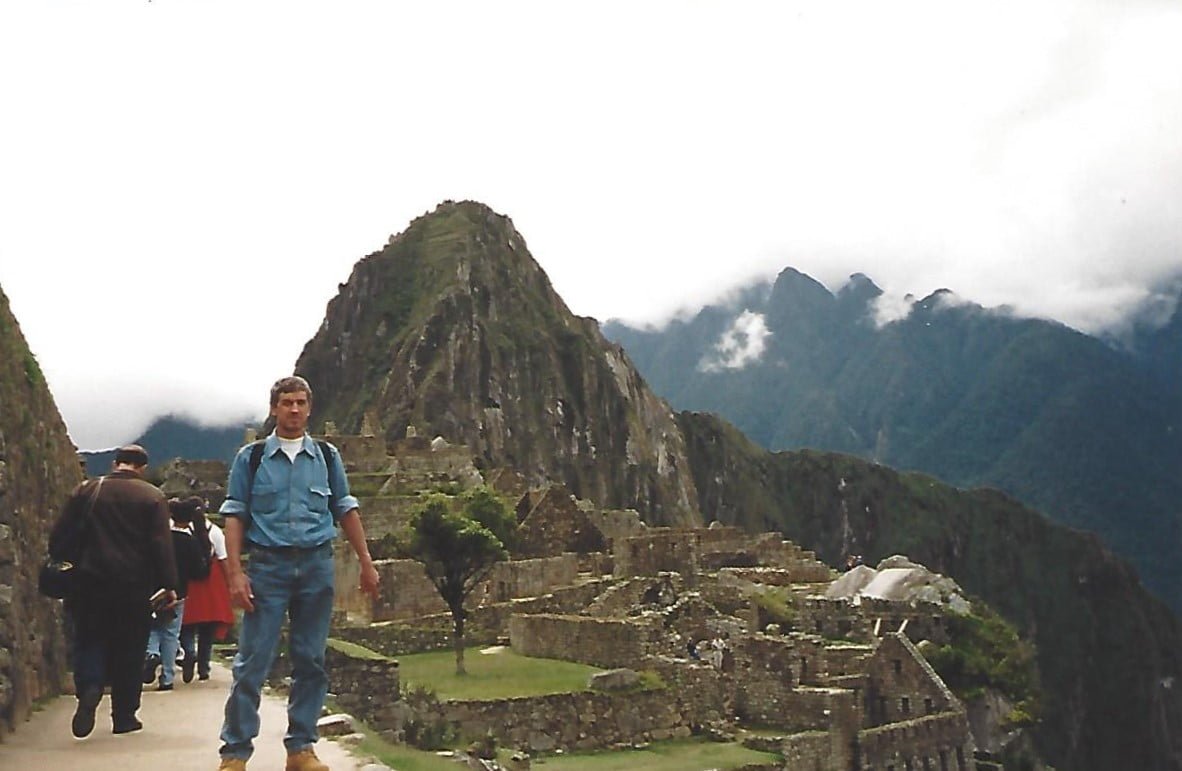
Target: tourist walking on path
{"points": [[284, 496], [192, 561], [126, 555], [208, 615]]}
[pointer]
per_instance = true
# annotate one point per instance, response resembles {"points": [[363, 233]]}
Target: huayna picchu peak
{"points": [[454, 328]]}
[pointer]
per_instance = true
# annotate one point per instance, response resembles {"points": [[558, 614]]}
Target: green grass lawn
{"points": [[681, 755], [498, 674]]}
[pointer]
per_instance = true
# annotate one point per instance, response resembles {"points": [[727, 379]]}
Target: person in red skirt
{"points": [[208, 614]]}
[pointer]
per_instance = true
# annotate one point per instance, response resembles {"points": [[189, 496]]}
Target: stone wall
{"points": [[39, 468], [901, 685], [347, 597], [394, 639], [917, 620], [657, 551], [571, 721], [624, 595], [554, 523], [601, 642], [363, 687], [936, 742], [366, 686], [432, 460], [360, 453], [411, 594], [486, 624], [807, 750], [692, 697], [837, 619], [387, 514], [528, 577]]}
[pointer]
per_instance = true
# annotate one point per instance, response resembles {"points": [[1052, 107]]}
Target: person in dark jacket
{"points": [[191, 563], [126, 556]]}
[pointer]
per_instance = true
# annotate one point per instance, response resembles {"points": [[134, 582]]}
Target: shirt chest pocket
{"points": [[318, 499], [264, 498]]}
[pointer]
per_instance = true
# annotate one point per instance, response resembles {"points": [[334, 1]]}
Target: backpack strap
{"points": [[256, 458]]}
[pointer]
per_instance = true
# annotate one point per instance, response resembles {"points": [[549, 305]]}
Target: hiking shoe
{"points": [[150, 665], [187, 667], [83, 722], [232, 764], [126, 725], [304, 760], [203, 676]]}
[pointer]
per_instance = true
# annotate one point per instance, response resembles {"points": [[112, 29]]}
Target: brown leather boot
{"points": [[232, 764], [304, 760]]}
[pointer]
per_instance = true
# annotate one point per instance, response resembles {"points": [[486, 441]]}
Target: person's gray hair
{"points": [[289, 385]]}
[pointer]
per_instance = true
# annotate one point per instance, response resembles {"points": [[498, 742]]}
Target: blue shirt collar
{"points": [[271, 444]]}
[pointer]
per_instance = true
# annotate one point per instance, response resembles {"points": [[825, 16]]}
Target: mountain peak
{"points": [[859, 290], [454, 329]]}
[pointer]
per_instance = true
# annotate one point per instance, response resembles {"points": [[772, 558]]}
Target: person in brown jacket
{"points": [[126, 556]]}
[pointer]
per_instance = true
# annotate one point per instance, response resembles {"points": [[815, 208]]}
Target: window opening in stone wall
{"points": [[898, 665], [905, 705], [928, 706]]}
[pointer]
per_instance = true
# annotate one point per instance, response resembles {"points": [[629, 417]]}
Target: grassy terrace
{"points": [[498, 672], [493, 673], [680, 755]]}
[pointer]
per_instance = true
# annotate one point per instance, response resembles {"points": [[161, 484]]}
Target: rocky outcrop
{"points": [[38, 468], [454, 329]]}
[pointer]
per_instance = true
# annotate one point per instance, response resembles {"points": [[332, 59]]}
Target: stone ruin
{"points": [[833, 682]]}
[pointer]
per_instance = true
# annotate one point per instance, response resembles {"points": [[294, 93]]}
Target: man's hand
{"points": [[240, 594], [369, 581]]}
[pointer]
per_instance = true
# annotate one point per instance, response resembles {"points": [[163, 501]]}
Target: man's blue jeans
{"points": [[297, 583]]}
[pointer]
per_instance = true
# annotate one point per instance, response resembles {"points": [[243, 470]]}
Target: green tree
{"points": [[458, 545]]}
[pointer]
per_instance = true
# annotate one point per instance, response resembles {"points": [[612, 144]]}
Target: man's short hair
{"points": [[289, 385], [133, 454]]}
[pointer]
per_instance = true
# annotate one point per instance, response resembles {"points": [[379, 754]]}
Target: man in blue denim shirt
{"points": [[284, 514]]}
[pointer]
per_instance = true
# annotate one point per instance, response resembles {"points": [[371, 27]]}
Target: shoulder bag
{"points": [[58, 577]]}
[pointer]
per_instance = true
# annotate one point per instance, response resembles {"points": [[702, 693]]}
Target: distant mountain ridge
{"points": [[173, 436], [1089, 434]]}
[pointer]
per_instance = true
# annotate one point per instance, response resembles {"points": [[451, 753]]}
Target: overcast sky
{"points": [[188, 182]]}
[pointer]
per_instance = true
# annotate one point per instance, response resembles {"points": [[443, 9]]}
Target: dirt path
{"points": [[180, 734]]}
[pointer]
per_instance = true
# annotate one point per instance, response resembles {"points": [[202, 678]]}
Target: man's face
{"points": [[291, 414]]}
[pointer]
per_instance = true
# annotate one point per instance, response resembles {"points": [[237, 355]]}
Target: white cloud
{"points": [[889, 307], [742, 344]]}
